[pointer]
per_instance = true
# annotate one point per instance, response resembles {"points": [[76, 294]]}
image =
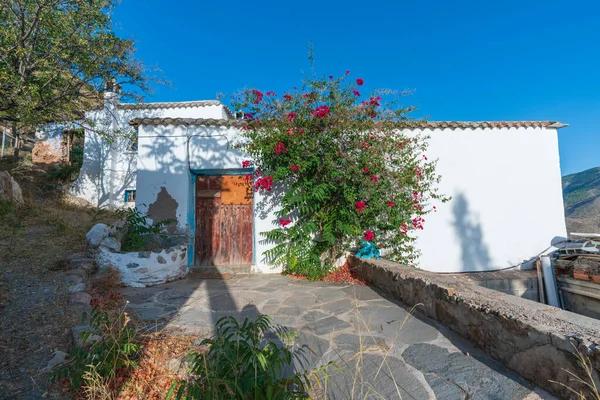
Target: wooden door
{"points": [[224, 220]]}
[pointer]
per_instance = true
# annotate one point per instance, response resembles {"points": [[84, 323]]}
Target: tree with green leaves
{"points": [[56, 56], [349, 170]]}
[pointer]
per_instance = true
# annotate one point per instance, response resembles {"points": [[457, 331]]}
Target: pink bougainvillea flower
{"points": [[284, 222], [301, 131], [360, 205], [365, 145], [400, 144], [280, 148], [245, 163], [258, 96], [356, 93], [271, 94], [291, 116], [330, 76], [369, 236], [248, 177], [375, 178], [374, 101], [321, 111], [425, 157], [390, 203], [366, 169], [359, 81], [295, 168], [287, 97], [264, 183]]}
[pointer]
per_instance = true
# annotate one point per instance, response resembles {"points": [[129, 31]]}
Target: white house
{"points": [[177, 160]]}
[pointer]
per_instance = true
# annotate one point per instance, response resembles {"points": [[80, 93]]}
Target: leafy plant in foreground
{"points": [[107, 348], [245, 361]]}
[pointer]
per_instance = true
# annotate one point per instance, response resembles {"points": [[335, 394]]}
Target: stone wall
{"points": [[538, 341]]}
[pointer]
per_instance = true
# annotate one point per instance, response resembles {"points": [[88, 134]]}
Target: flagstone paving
{"points": [[383, 350]]}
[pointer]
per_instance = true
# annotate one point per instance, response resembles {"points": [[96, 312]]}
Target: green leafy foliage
{"points": [[107, 347], [7, 207], [57, 56], [245, 361], [343, 166], [139, 234]]}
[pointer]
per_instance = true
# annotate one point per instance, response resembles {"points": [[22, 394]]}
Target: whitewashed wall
{"points": [[109, 167], [164, 166], [506, 202]]}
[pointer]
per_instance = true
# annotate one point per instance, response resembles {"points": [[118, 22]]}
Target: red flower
{"points": [[321, 111], [245, 163], [425, 157], [284, 222], [287, 97], [400, 144], [330, 76], [291, 116], [295, 168], [369, 236], [347, 71], [390, 203], [258, 96], [271, 93], [366, 169], [301, 131], [360, 205], [356, 93], [264, 183], [375, 178], [374, 101], [280, 148], [359, 82]]}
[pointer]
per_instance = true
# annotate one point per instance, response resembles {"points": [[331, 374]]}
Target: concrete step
{"points": [[220, 271]]}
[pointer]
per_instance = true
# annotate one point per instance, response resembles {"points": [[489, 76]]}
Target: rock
{"points": [[111, 243], [78, 287], [80, 298], [59, 358], [77, 331], [117, 230], [97, 234], [9, 188], [73, 279]]}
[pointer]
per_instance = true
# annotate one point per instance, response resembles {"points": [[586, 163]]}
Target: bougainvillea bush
{"points": [[345, 169]]}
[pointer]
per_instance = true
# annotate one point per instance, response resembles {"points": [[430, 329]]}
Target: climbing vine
{"points": [[345, 167]]}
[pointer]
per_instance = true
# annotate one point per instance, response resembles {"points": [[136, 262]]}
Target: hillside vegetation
{"points": [[581, 192]]}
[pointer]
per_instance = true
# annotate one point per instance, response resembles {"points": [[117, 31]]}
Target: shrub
{"points": [[108, 349], [242, 362], [347, 170], [139, 234]]}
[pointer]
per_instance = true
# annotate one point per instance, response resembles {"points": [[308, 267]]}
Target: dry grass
{"points": [[34, 240], [586, 387]]}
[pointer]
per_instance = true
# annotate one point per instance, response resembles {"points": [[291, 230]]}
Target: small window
{"points": [[130, 196]]}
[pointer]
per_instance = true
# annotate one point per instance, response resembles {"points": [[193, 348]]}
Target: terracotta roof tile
{"points": [[189, 122], [483, 124]]}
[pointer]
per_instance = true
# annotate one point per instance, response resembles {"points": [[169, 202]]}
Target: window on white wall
{"points": [[130, 196]]}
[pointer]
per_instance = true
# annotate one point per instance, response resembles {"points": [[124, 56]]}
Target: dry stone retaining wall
{"points": [[538, 341]]}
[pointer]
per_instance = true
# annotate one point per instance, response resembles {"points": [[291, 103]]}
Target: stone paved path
{"points": [[385, 351]]}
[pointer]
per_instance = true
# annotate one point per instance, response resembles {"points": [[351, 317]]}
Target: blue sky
{"points": [[466, 60]]}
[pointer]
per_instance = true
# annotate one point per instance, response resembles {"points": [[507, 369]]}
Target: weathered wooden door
{"points": [[224, 219]]}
